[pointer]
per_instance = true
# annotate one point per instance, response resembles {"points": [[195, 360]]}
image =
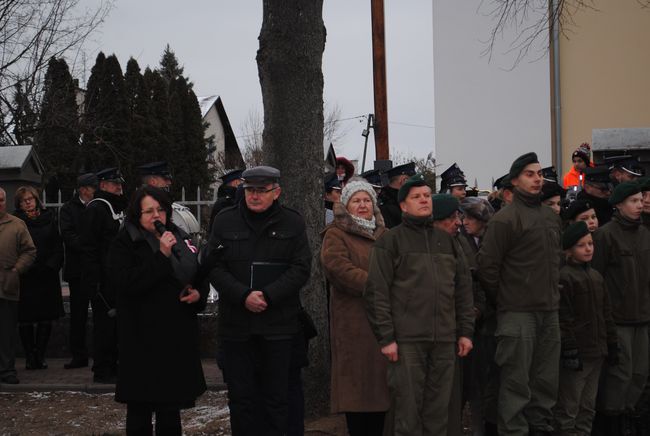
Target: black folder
{"points": [[264, 273]]}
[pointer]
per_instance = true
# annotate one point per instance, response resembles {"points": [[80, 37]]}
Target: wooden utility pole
{"points": [[379, 80]]}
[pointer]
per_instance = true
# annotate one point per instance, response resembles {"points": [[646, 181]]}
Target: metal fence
{"points": [[196, 206]]}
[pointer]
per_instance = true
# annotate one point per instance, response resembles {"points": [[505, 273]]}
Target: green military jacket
{"points": [[622, 256], [519, 259], [419, 287], [586, 321]]}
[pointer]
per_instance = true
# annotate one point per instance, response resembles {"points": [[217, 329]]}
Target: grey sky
{"points": [[216, 41]]}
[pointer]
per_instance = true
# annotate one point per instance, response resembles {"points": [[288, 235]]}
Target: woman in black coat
{"points": [[157, 304], [40, 287]]}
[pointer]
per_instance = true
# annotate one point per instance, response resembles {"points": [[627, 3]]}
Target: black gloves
{"points": [[570, 359]]}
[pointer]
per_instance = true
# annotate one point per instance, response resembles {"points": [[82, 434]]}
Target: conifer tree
{"points": [[58, 130], [142, 141], [159, 118], [169, 68]]}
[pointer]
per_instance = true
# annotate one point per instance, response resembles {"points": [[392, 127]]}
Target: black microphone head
{"points": [[160, 227]]}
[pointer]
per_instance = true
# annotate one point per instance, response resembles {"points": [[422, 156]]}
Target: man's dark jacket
{"points": [[389, 207], [70, 224], [98, 230], [240, 237]]}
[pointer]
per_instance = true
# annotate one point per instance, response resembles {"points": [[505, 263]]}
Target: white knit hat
{"points": [[355, 186]]}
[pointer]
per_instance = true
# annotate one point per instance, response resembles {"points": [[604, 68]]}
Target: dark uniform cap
{"points": [[629, 164], [260, 176], [414, 181], [88, 179], [599, 174], [549, 174], [644, 184], [407, 169], [331, 181], [576, 208], [159, 168], [622, 191], [231, 175], [503, 182], [551, 189], [373, 177], [110, 175], [452, 176], [444, 205], [522, 162], [573, 233]]}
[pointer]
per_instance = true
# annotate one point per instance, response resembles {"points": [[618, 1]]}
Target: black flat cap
{"points": [[406, 169], [549, 174], [260, 176], [452, 176], [573, 234], [110, 175], [159, 168], [373, 177], [231, 175], [88, 179], [551, 189], [629, 164], [331, 181], [522, 162], [503, 182], [576, 208], [599, 174]]}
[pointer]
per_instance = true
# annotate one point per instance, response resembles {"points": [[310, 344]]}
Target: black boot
{"points": [[43, 332], [26, 332]]}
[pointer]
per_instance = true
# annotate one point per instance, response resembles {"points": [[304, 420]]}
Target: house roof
{"points": [[206, 103], [15, 156]]}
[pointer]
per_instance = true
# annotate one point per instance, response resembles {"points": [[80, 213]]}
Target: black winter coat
{"points": [[240, 237], [98, 229], [70, 225], [40, 287], [158, 335], [389, 207]]}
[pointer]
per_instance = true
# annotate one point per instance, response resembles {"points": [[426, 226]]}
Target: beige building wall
{"points": [[604, 72]]}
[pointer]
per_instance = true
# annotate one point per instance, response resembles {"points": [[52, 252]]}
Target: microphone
{"points": [[160, 228]]}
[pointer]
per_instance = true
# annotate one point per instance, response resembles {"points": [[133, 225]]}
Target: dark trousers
{"points": [[257, 376], [365, 423], [104, 340], [79, 300], [138, 421], [8, 323]]}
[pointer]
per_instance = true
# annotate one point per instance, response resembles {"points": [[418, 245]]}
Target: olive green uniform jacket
{"points": [[419, 288], [586, 321], [622, 256], [519, 259]]}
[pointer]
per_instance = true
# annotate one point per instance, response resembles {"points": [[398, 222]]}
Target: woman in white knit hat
{"points": [[358, 383]]}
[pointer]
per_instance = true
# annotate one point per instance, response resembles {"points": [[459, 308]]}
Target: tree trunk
{"points": [[289, 63]]}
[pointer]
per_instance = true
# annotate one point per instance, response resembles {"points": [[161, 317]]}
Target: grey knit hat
{"points": [[355, 186], [477, 207]]}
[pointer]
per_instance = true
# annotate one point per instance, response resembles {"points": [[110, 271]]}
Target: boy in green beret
{"points": [[588, 333], [622, 256]]}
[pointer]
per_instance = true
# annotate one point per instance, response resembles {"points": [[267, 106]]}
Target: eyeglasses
{"points": [[160, 211], [258, 191]]}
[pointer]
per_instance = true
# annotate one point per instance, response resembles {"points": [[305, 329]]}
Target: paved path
{"points": [[55, 378]]}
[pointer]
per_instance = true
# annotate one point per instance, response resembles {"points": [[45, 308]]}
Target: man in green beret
{"points": [[622, 256], [419, 303], [519, 271]]}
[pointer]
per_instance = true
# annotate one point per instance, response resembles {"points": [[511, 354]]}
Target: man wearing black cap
{"points": [[157, 175], [552, 192], [261, 259], [503, 194], [622, 256], [374, 178], [596, 190], [388, 204], [70, 223], [418, 299], [226, 194], [452, 181], [625, 169], [100, 223], [519, 270], [332, 195]]}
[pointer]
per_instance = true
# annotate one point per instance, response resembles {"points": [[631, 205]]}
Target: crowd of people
{"points": [[529, 305]]}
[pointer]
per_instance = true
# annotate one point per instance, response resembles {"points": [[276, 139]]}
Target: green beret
{"points": [[573, 234], [622, 191], [444, 205], [412, 182], [644, 183], [521, 162]]}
